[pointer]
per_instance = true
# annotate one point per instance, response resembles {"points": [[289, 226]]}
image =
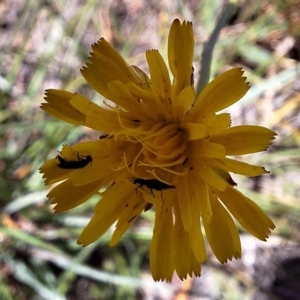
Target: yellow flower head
{"points": [[162, 147]]}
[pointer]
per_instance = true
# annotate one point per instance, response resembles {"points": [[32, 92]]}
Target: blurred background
{"points": [[43, 45]]}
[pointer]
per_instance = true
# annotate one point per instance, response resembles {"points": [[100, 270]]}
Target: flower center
{"points": [[165, 146], [159, 146]]}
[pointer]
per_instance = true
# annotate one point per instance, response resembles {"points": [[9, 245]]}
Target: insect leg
{"points": [[152, 193], [162, 198], [79, 158]]}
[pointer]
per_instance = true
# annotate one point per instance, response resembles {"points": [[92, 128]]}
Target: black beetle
{"points": [[74, 164], [153, 184]]}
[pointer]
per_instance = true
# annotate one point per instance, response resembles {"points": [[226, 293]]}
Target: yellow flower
{"points": [[161, 148]]}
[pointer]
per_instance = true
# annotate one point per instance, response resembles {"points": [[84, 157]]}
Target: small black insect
{"points": [[106, 136], [153, 184], [103, 136], [74, 164]]}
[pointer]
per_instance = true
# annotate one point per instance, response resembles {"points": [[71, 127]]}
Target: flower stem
{"points": [[206, 56]]}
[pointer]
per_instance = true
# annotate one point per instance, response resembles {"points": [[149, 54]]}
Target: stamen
{"points": [[127, 166], [121, 167], [177, 152], [153, 151], [163, 131], [120, 121], [183, 173], [153, 164], [152, 133], [122, 135], [136, 158], [134, 130], [160, 144]]}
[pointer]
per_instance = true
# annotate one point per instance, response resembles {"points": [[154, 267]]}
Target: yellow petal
{"points": [[106, 49], [84, 105], [51, 170], [182, 102], [222, 233], [66, 196], [133, 208], [159, 75], [99, 152], [244, 139], [52, 173], [103, 159], [184, 203], [142, 76], [197, 198], [58, 105], [204, 148], [220, 93], [225, 175], [180, 54], [238, 167], [200, 196], [247, 212], [106, 121], [124, 98], [90, 148], [220, 123], [194, 131], [150, 100], [209, 175], [98, 169], [106, 65], [107, 211], [184, 259], [196, 237], [161, 262]]}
